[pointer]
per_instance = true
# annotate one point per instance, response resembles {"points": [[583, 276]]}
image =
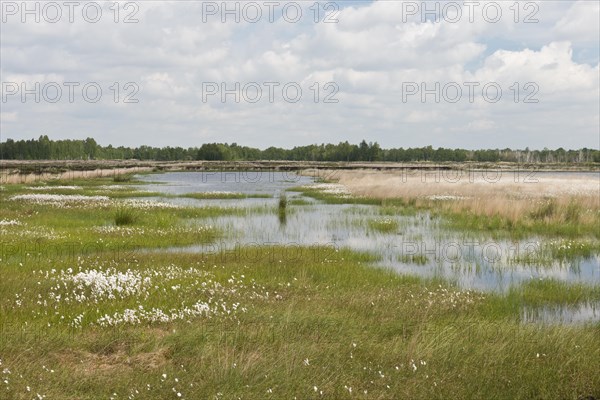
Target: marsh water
{"points": [[573, 314], [417, 244]]}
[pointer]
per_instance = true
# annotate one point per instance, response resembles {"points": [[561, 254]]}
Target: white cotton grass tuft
{"points": [[60, 200], [10, 222], [104, 286], [332, 188], [446, 197], [66, 187], [76, 200], [148, 204]]}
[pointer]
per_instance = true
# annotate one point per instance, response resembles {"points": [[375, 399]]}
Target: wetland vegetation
{"points": [[206, 285]]}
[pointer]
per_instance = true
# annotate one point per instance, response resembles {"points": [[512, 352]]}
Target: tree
{"points": [[208, 151], [90, 147], [44, 148]]}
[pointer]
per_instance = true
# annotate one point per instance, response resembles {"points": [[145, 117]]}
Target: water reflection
{"points": [[575, 314], [282, 220]]}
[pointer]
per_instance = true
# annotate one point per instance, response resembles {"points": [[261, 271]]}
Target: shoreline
{"points": [[49, 166]]}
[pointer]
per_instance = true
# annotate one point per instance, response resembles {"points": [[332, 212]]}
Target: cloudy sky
{"points": [[477, 75]]}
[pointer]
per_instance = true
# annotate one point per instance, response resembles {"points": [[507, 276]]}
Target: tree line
{"points": [[45, 149]]}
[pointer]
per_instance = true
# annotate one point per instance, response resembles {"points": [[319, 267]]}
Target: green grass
{"points": [[546, 210], [299, 202], [90, 182], [91, 187], [331, 198], [552, 292], [111, 227], [383, 225], [125, 194], [282, 203], [224, 195], [98, 191], [569, 249], [549, 252], [547, 220], [418, 259], [125, 216], [282, 208], [500, 226], [328, 321], [122, 178]]}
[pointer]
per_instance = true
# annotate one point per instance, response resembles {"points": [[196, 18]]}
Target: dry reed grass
{"points": [[6, 177], [515, 195]]}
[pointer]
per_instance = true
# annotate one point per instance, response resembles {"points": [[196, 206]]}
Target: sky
{"points": [[458, 74]]}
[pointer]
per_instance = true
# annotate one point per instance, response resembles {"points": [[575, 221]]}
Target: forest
{"points": [[45, 149]]}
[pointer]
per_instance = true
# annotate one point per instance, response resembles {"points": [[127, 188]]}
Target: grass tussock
{"points": [[122, 178], [125, 216], [282, 203], [418, 259], [384, 225], [299, 202]]}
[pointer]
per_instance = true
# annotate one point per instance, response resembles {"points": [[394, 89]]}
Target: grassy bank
{"points": [[279, 325]]}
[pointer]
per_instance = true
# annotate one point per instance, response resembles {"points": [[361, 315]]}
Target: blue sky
{"points": [[368, 61]]}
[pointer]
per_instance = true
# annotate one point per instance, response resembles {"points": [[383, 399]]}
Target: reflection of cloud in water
{"points": [[570, 314]]}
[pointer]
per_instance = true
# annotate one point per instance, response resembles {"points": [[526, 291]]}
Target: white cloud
{"points": [[480, 125], [8, 116], [581, 23]]}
